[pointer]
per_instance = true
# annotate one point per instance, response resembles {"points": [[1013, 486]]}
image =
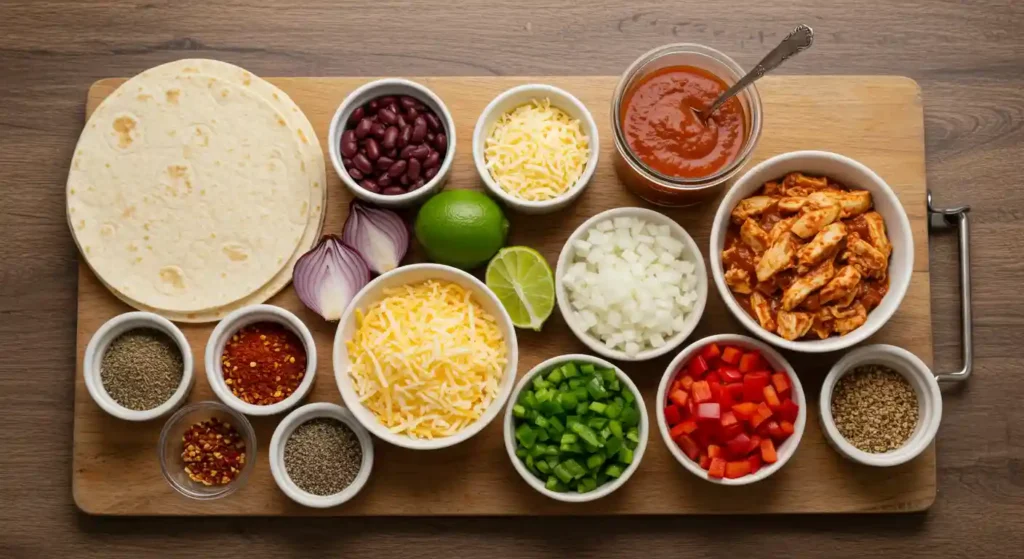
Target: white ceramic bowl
{"points": [[920, 377], [284, 432], [373, 292], [854, 175], [610, 486], [368, 92], [518, 96], [785, 451], [98, 345], [569, 314], [244, 317]]}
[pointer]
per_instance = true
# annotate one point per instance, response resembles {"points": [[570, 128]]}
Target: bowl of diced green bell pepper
{"points": [[576, 428]]}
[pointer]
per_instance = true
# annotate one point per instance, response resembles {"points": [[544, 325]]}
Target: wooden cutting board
{"points": [[876, 120]]}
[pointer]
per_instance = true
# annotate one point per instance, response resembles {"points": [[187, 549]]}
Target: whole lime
{"points": [[461, 228]]}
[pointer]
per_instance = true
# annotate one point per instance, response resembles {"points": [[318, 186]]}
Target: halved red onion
{"points": [[380, 236], [328, 276]]}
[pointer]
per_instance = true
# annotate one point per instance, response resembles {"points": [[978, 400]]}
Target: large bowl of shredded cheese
{"points": [[535, 146], [425, 356]]}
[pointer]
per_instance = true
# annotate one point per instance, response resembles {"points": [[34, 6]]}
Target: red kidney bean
{"points": [[356, 116], [392, 153], [384, 180], [441, 143], [393, 190], [433, 160], [421, 152], [372, 149], [386, 100], [411, 114], [413, 172], [370, 184], [398, 168], [384, 162], [433, 122], [430, 137], [355, 173], [378, 130], [362, 163], [402, 123], [348, 143], [374, 105], [430, 173], [405, 137], [406, 102], [419, 130], [406, 152], [404, 180], [419, 183], [390, 137], [346, 162], [363, 128], [388, 116]]}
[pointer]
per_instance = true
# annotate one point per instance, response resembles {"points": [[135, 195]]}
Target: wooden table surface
{"points": [[967, 56]]}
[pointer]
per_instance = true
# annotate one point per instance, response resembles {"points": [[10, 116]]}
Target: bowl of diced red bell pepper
{"points": [[731, 409]]}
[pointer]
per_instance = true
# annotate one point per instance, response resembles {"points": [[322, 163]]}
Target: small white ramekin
{"points": [[380, 88], [609, 487], [98, 347], [516, 97], [920, 377], [694, 255], [284, 432], [244, 317], [785, 451]]}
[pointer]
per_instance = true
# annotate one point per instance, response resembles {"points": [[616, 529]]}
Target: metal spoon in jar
{"points": [[800, 39]]}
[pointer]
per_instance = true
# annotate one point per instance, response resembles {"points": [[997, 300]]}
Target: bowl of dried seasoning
{"points": [[207, 450], [261, 360], [138, 366], [320, 456], [880, 406]]}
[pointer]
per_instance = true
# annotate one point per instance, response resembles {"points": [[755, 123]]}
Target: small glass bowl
{"points": [[656, 187], [169, 449]]}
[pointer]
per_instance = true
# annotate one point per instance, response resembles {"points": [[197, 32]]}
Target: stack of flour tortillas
{"points": [[194, 188]]}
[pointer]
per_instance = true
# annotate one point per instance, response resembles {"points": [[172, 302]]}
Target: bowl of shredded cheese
{"points": [[535, 147], [425, 356]]}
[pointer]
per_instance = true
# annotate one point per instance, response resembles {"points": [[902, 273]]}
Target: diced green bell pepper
{"points": [[614, 470], [526, 435]]}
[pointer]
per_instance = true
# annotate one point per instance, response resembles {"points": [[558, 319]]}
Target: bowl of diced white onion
{"points": [[631, 284]]}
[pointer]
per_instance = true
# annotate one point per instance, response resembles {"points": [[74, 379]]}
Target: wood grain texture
{"points": [[966, 56], [860, 113]]}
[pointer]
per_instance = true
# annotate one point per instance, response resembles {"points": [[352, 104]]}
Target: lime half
{"points": [[524, 284]]}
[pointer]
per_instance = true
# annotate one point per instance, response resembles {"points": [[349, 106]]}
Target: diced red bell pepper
{"points": [[761, 415], [737, 469], [688, 446], [788, 410], [715, 451], [709, 411], [787, 428], [768, 453], [728, 433], [771, 397], [717, 469], [701, 391], [745, 410], [775, 431], [684, 427], [753, 386], [672, 415], [728, 419], [755, 443], [716, 389], [711, 352], [735, 390], [781, 383], [713, 377], [731, 355], [679, 397], [705, 461], [686, 383], [750, 362], [755, 463], [697, 367], [730, 374], [738, 446]]}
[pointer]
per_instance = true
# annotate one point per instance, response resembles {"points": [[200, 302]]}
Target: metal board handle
{"points": [[956, 218]]}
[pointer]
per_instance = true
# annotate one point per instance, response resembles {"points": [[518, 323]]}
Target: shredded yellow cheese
{"points": [[536, 152], [426, 359]]}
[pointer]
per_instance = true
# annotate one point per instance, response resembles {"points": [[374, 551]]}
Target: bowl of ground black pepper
{"points": [[261, 360], [880, 406], [320, 456], [207, 450], [138, 366]]}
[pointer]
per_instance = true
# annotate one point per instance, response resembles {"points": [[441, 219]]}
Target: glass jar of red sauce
{"points": [[663, 153]]}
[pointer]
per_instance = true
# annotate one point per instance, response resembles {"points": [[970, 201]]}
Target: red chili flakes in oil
{"points": [[263, 363]]}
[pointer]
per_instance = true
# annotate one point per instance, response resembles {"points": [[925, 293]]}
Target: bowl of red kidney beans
{"points": [[392, 142]]}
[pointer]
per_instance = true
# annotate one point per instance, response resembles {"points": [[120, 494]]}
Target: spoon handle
{"points": [[798, 40]]}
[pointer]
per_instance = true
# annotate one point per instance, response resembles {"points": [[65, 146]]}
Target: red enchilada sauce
{"points": [[664, 132]]}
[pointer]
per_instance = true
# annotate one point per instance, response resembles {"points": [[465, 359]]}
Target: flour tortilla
{"points": [[191, 192], [314, 158]]}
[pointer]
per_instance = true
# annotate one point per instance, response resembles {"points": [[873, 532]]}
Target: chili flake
{"points": [[263, 363], [213, 452]]}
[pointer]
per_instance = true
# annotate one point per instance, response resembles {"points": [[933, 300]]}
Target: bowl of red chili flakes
{"points": [[261, 360], [207, 450]]}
